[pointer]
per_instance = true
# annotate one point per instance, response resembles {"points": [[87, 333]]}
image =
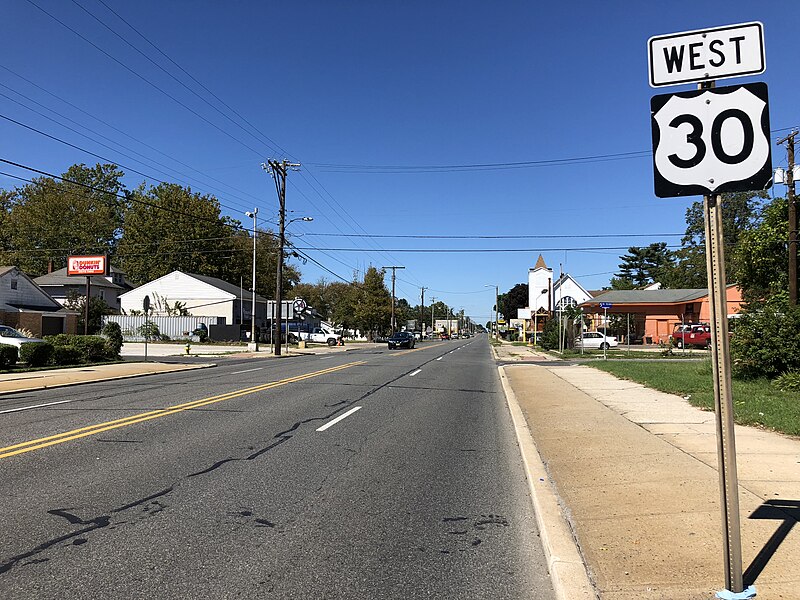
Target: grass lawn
{"points": [[756, 402]]}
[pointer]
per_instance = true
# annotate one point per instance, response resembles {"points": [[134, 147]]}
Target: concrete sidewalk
{"points": [[635, 474]]}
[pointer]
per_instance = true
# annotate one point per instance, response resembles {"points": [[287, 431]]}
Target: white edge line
{"points": [[339, 418], [415, 373], [10, 410], [247, 371], [440, 358]]}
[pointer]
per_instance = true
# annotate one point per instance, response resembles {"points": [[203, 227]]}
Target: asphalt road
{"points": [[366, 474]]}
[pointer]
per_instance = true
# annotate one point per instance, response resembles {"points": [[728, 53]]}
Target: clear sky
{"points": [[386, 105]]}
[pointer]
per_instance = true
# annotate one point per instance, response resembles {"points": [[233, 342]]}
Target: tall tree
{"points": [[644, 265], [373, 309], [516, 297], [6, 200], [51, 219], [739, 211], [760, 265]]}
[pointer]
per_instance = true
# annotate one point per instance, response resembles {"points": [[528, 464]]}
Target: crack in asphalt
{"points": [[79, 536]]}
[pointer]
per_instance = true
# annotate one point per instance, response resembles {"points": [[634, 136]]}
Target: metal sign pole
{"points": [[723, 399], [605, 332]]}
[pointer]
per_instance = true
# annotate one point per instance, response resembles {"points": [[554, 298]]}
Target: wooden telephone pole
{"points": [[789, 141]]}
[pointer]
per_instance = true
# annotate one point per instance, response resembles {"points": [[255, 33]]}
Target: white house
{"points": [[202, 296], [25, 304]]}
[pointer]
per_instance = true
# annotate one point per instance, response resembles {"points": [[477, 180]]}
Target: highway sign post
{"points": [[707, 142]]}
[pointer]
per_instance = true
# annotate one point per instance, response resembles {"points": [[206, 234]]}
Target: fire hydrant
{"points": [[188, 347]]}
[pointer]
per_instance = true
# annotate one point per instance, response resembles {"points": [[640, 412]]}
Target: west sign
{"points": [[706, 54]]}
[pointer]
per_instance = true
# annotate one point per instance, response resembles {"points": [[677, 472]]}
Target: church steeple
{"points": [[540, 263]]}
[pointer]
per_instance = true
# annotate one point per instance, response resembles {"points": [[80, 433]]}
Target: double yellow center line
{"points": [[75, 434]]}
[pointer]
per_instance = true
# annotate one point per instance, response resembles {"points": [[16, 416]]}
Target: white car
{"points": [[596, 340], [12, 337]]}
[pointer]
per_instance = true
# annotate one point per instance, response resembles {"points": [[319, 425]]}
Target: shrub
{"points": [[92, 348], [8, 355], [766, 342], [149, 330], [36, 354], [113, 334], [788, 382], [66, 355]]}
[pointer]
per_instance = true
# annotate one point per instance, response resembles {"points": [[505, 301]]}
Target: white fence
{"points": [[134, 328]]}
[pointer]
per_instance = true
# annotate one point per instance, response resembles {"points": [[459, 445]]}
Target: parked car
{"points": [[12, 337], [595, 340], [691, 334], [444, 336], [401, 338]]}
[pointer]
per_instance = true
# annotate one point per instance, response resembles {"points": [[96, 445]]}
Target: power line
{"points": [[495, 237], [478, 250]]}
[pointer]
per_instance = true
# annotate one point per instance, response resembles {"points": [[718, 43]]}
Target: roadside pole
{"points": [[605, 332], [723, 398]]}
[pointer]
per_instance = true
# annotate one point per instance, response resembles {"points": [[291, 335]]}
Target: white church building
{"points": [[546, 296]]}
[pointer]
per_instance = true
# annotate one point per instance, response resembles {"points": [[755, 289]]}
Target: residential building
{"points": [[655, 312], [109, 288], [200, 295], [23, 304]]}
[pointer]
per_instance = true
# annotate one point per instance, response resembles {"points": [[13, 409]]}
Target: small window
{"points": [[13, 284]]}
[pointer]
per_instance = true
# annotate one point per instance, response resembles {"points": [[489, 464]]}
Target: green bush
{"points": [[36, 354], [8, 355], [766, 341], [92, 348], [788, 382], [66, 355], [113, 334]]}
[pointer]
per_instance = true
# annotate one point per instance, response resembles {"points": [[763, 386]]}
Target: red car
{"points": [[444, 336], [691, 334]]}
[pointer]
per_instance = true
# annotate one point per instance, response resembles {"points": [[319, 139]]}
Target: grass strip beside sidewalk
{"points": [[756, 402]]}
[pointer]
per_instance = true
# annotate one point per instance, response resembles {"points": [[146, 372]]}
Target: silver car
{"points": [[12, 337], [595, 340]]}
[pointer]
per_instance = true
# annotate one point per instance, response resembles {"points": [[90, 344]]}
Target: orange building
{"points": [[654, 313]]}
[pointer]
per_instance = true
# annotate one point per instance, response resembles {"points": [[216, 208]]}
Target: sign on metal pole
{"points": [[706, 54], [710, 141], [605, 305]]}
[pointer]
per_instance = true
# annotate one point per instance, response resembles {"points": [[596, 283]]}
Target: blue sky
{"points": [[371, 86]]}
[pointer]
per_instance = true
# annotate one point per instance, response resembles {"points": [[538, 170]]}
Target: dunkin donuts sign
{"points": [[87, 265]]}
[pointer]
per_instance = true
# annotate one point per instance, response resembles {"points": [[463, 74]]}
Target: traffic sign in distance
{"points": [[299, 305], [605, 305], [706, 54], [711, 141]]}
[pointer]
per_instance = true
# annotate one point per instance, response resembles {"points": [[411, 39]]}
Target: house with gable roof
{"points": [[24, 304]]}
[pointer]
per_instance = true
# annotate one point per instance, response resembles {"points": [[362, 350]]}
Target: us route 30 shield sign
{"points": [[711, 141]]}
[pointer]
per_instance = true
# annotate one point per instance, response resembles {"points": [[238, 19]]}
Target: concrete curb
{"points": [[567, 569], [111, 378]]}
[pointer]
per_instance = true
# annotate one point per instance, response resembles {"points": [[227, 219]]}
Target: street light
{"points": [[536, 312], [496, 308], [253, 215]]}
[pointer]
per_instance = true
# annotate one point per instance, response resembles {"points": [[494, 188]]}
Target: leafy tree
{"points": [[51, 219], [739, 211], [760, 259], [316, 295], [618, 283], [373, 308], [766, 340], [516, 297], [6, 200], [644, 265], [343, 299], [97, 308]]}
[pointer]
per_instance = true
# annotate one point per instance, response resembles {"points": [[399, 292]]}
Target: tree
{"points": [[373, 308], [644, 265], [516, 297], [739, 211], [760, 264], [97, 308], [50, 219], [6, 201]]}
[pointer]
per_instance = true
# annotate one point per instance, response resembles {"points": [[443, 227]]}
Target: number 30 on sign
{"points": [[711, 141]]}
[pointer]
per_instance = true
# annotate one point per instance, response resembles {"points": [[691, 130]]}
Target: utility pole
{"points": [[278, 170], [393, 268], [433, 321], [253, 340], [422, 312], [789, 141]]}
